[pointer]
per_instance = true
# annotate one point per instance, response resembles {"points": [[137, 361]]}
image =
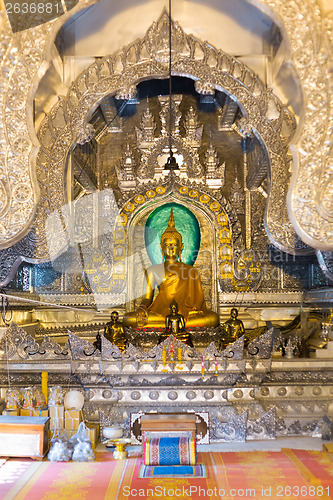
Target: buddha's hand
{"points": [[142, 315]]}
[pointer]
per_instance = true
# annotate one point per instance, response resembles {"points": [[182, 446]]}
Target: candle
{"points": [[171, 350], [202, 368], [180, 354], [45, 378], [216, 367], [164, 359]]}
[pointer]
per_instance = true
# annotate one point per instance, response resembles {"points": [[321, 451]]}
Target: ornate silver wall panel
{"points": [[21, 56], [310, 198], [196, 59], [244, 402], [118, 74], [24, 58], [23, 65]]}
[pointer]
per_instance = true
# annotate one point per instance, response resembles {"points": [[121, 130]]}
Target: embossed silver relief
{"points": [[109, 351], [157, 39], [193, 129], [132, 353], [22, 55], [303, 53], [262, 347], [264, 427], [126, 171], [76, 108], [237, 197], [214, 171], [17, 344], [143, 391], [145, 135], [80, 348], [310, 186], [233, 428], [210, 352], [235, 350]]}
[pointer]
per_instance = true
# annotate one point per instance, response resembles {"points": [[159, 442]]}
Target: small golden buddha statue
{"points": [[233, 327], [175, 281], [175, 325], [114, 332]]}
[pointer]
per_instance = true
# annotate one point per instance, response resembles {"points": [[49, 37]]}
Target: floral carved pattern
{"points": [[311, 41], [310, 37]]}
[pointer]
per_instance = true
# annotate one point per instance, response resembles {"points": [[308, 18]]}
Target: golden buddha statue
{"points": [[233, 329], [114, 332], [175, 281], [175, 325]]}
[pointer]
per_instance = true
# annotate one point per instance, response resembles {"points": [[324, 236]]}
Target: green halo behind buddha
{"points": [[176, 281]]}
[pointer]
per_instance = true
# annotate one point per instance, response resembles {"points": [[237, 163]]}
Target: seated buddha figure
{"points": [[233, 329], [114, 332], [175, 281], [234, 326], [175, 325]]}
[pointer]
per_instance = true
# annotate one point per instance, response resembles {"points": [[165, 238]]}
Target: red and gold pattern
{"points": [[109, 479], [170, 451]]}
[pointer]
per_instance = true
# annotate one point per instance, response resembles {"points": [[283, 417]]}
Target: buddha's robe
{"points": [[114, 332], [181, 282], [183, 285]]}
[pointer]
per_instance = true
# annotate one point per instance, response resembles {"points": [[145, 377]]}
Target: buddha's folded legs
{"points": [[195, 319], [206, 319]]}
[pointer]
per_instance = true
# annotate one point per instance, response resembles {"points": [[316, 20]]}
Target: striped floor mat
{"points": [[286, 474], [173, 471]]}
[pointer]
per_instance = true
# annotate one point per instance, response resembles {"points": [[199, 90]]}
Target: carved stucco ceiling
{"points": [[27, 55]]}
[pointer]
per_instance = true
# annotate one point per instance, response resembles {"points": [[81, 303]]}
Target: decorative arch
{"points": [[227, 237], [310, 37], [218, 212], [119, 74]]}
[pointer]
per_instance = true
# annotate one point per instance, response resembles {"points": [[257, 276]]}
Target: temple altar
{"points": [[171, 186], [239, 395]]}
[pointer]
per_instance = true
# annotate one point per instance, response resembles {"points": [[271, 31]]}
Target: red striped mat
{"points": [[275, 475]]}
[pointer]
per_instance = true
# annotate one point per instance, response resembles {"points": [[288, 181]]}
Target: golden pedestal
{"points": [[120, 452]]}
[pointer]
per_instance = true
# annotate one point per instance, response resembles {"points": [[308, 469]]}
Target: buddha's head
{"points": [[114, 316], [234, 313], [171, 240], [174, 307]]}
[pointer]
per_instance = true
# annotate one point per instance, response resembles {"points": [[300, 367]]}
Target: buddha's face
{"points": [[114, 317], [173, 308], [171, 248], [234, 313]]}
